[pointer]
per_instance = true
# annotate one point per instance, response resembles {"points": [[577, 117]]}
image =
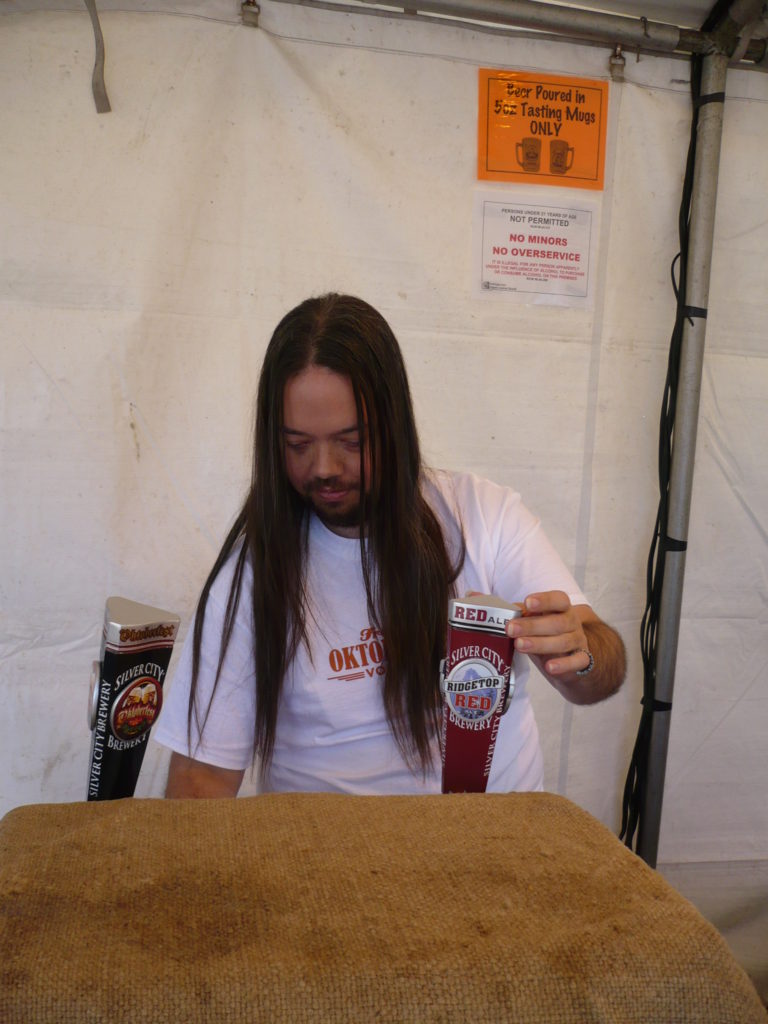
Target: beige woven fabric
{"points": [[300, 907]]}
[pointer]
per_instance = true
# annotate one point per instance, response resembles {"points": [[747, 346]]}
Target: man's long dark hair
{"points": [[407, 570]]}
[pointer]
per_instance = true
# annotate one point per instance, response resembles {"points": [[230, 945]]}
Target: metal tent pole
{"points": [[574, 25], [702, 225], [569, 21]]}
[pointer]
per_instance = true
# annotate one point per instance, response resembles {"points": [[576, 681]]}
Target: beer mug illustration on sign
{"points": [[560, 156], [531, 154]]}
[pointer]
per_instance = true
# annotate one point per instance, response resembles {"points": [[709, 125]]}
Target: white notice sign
{"points": [[536, 252]]}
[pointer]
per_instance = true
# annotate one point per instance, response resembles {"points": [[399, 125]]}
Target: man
{"points": [[319, 632]]}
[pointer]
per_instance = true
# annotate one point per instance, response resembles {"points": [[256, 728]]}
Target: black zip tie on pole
{"points": [[657, 705], [670, 544], [97, 81], [689, 312], [712, 97]]}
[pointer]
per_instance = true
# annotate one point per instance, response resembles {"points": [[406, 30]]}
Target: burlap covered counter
{"points": [[325, 908]]}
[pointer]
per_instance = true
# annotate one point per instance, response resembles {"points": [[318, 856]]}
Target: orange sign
{"points": [[541, 129]]}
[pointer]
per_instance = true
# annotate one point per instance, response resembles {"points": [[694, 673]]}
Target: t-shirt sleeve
{"points": [[223, 717], [507, 544], [526, 558]]}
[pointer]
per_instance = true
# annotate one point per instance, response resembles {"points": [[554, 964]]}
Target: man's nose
{"points": [[327, 461]]}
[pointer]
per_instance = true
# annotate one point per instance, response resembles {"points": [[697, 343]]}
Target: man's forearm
{"points": [[188, 778]]}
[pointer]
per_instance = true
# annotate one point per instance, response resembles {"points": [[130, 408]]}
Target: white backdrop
{"points": [[148, 253]]}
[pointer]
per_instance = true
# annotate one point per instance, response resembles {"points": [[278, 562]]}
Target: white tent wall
{"points": [[148, 253]]}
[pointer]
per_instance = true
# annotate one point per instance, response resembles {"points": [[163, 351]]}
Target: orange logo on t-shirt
{"points": [[362, 660]]}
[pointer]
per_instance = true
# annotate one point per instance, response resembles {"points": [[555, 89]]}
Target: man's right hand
{"points": [[188, 778]]}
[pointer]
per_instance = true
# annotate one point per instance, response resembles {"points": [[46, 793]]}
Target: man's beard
{"points": [[345, 514]]}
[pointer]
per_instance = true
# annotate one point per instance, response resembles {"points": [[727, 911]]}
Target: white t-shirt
{"points": [[332, 732]]}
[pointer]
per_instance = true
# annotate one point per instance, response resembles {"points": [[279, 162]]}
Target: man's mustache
{"points": [[333, 483]]}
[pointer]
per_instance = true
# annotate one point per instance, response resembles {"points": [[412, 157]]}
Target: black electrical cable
{"points": [[635, 786]]}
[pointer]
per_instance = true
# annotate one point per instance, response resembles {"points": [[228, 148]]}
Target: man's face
{"points": [[322, 446]]}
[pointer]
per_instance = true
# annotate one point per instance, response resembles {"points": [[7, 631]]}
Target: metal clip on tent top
{"points": [[250, 11], [616, 63]]}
